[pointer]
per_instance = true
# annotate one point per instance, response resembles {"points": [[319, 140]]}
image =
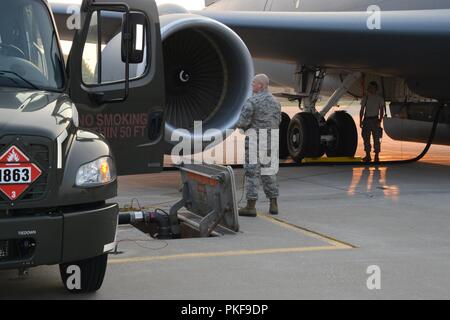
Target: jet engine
{"points": [[413, 122], [208, 72]]}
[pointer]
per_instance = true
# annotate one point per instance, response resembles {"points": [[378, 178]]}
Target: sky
{"points": [[188, 4]]}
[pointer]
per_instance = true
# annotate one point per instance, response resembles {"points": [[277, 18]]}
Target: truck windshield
{"points": [[29, 51]]}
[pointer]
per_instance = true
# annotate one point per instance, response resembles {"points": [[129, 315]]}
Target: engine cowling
{"points": [[208, 71], [413, 122]]}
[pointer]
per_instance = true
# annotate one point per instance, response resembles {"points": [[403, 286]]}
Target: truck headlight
{"points": [[96, 173]]}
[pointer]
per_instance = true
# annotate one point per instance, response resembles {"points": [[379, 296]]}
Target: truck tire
{"points": [[284, 126], [304, 137], [342, 126], [91, 271]]}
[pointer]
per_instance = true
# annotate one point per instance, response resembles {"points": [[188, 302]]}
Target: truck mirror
{"points": [[133, 37]]}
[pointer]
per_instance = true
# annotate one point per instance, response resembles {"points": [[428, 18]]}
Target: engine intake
{"points": [[208, 73]]}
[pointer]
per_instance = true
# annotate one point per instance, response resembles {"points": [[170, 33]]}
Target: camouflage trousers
{"points": [[253, 177], [371, 127]]}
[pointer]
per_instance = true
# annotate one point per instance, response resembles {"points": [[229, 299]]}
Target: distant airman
{"points": [[371, 116]]}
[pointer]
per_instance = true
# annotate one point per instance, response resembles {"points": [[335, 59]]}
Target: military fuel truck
{"points": [[56, 178]]}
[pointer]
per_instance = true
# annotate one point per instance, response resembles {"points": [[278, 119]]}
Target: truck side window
{"points": [[102, 61], [29, 51], [90, 53]]}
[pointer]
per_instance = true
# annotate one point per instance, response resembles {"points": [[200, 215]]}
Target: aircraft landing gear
{"points": [[304, 137], [284, 126], [308, 134], [342, 128], [338, 137]]}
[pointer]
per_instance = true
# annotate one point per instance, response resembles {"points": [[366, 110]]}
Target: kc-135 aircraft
{"points": [[311, 46]]}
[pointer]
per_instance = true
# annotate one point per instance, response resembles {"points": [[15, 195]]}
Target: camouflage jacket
{"points": [[261, 111]]}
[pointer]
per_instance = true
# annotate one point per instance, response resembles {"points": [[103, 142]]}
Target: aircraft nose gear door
{"points": [[117, 80]]}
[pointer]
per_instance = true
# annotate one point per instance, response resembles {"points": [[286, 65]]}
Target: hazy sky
{"points": [[189, 4]]}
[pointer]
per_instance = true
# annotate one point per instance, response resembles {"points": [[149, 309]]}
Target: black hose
{"points": [[165, 229], [429, 142], [124, 218]]}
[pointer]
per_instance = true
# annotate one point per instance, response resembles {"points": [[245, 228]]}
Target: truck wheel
{"points": [[91, 273], [342, 126], [304, 137], [284, 126]]}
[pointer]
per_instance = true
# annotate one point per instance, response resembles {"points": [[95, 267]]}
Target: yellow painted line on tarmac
{"points": [[312, 234], [235, 253], [333, 245]]}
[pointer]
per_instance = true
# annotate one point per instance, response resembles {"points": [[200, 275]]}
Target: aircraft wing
{"points": [[409, 43]]}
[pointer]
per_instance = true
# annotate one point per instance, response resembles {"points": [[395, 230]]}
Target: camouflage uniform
{"points": [[371, 127], [371, 124], [261, 111]]}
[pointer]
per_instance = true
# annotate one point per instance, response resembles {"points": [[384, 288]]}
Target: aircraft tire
{"points": [[284, 126], [342, 126], [303, 137]]}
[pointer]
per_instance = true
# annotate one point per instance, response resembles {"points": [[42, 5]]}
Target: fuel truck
{"points": [[56, 178]]}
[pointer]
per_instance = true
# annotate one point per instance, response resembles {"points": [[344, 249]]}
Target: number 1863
{"points": [[15, 175]]}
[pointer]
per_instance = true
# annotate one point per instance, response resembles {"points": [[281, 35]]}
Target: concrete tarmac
{"points": [[335, 223]]}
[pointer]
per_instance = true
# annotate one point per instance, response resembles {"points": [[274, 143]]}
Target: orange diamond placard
{"points": [[17, 173]]}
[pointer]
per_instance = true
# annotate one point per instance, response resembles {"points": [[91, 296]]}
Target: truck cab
{"points": [[57, 178]]}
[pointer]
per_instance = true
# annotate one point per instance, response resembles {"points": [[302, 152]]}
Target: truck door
{"points": [[116, 80]]}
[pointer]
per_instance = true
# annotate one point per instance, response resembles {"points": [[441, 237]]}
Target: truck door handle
{"points": [[155, 125]]}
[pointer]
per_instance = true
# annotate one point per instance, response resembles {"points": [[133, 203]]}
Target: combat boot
{"points": [[273, 207], [367, 158], [249, 210], [377, 158]]}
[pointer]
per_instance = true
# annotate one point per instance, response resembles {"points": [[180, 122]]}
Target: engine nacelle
{"points": [[413, 122], [208, 72]]}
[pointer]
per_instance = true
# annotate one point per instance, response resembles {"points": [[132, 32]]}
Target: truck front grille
{"points": [[40, 154], [4, 249]]}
